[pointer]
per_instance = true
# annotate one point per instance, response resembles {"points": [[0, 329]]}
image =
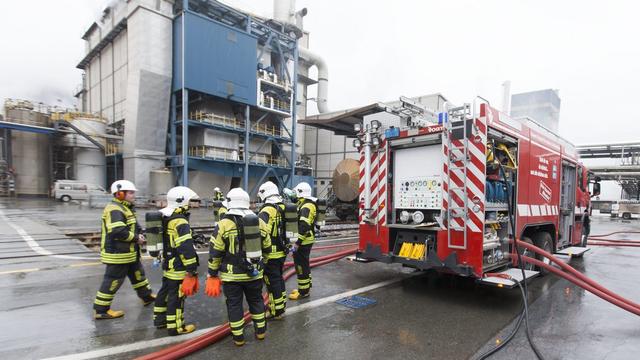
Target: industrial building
{"points": [[42, 144], [144, 59], [241, 77], [175, 92]]}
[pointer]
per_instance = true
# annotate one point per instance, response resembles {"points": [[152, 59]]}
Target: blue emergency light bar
{"points": [[391, 132]]}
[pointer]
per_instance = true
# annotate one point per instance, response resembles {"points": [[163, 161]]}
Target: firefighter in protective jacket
{"points": [[217, 194], [272, 213], [120, 251], [180, 263], [239, 244], [307, 211]]}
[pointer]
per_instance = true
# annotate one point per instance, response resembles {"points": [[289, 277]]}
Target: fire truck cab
{"points": [[445, 195]]}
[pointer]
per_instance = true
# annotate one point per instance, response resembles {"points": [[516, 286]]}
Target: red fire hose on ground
{"points": [[569, 274], [602, 240], [616, 232], [578, 278], [190, 346]]}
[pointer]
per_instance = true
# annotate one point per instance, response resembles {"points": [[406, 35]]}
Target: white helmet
{"points": [[269, 192], [122, 185], [303, 190], [178, 197], [216, 189], [238, 201]]}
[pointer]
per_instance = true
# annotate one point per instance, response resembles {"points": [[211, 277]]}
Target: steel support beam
{"points": [[247, 124], [294, 111]]}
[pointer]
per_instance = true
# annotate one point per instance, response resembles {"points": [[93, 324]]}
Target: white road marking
{"points": [[147, 344], [144, 257], [19, 271], [33, 244]]}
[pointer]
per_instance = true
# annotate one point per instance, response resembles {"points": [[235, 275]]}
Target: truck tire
{"points": [[626, 215], [544, 241], [527, 252], [65, 198]]}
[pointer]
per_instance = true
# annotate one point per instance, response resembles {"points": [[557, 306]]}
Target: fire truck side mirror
{"points": [[596, 189]]}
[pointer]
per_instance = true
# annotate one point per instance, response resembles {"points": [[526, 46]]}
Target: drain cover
{"points": [[356, 302]]}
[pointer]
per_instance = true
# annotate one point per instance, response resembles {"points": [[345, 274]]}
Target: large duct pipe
{"points": [[284, 11], [323, 77]]}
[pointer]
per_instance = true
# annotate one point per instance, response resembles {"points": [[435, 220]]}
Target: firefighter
{"points": [[180, 263], [120, 251], [217, 194], [272, 213], [307, 210], [223, 209], [235, 266]]}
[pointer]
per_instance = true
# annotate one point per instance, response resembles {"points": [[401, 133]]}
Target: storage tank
{"points": [[29, 151], [346, 180], [89, 162]]}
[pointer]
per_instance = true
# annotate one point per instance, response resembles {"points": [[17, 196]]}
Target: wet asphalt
{"points": [[419, 316]]}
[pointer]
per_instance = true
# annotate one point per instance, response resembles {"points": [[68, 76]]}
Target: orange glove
{"points": [[190, 285], [213, 286]]}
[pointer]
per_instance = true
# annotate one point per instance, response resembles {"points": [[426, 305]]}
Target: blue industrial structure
{"points": [[217, 52]]}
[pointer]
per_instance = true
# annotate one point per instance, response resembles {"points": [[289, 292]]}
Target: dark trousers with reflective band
{"points": [[273, 270], [252, 290], [114, 277], [169, 306], [303, 270]]}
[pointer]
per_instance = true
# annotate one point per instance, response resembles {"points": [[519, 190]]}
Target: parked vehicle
{"points": [[67, 190], [448, 197], [626, 209]]}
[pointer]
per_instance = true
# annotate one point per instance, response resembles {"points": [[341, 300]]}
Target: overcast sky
{"points": [[379, 50]]}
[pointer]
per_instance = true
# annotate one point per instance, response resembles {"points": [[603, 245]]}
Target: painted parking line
{"points": [[148, 344]]}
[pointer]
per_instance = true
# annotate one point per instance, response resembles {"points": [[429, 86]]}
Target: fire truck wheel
{"points": [[544, 241], [526, 252]]}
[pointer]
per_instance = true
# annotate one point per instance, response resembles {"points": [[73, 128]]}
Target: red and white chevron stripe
{"points": [[378, 175], [476, 176]]}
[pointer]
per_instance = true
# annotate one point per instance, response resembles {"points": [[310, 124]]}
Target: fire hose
{"points": [[569, 274], [220, 332], [616, 232], [601, 240], [578, 278], [608, 296], [610, 243]]}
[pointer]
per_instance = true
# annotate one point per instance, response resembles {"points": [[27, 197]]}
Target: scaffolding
{"points": [[262, 98]]}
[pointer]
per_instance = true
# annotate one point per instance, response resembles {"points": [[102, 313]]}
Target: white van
{"points": [[626, 209], [66, 190]]}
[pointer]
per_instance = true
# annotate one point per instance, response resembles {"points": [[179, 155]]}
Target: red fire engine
{"points": [[443, 196]]}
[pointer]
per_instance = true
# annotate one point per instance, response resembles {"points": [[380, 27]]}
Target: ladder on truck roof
{"points": [[457, 132]]}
